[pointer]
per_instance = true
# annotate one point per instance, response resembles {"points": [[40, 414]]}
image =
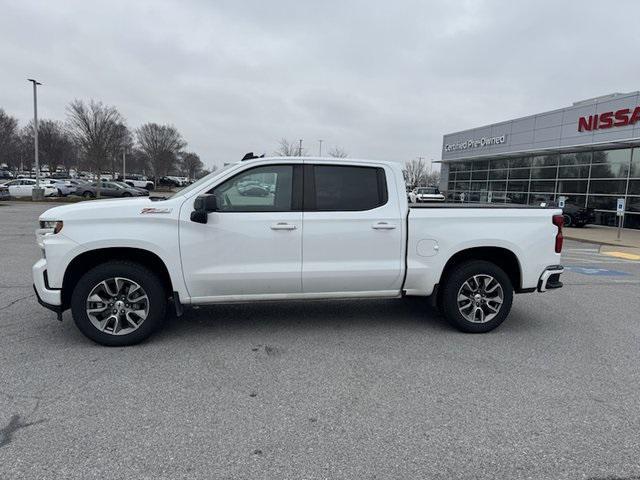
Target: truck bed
{"points": [[477, 205]]}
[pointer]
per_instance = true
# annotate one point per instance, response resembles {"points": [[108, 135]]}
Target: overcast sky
{"points": [[381, 79]]}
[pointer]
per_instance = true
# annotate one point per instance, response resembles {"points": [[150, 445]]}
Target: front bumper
{"points": [[47, 296], [550, 278]]}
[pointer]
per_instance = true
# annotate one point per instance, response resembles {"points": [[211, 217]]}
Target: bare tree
{"points": [[161, 144], [191, 165], [55, 145], [94, 128], [9, 138], [205, 172], [289, 149], [417, 174], [338, 152], [122, 141]]}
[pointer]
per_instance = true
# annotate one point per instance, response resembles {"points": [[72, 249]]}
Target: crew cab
{"points": [[325, 228]]}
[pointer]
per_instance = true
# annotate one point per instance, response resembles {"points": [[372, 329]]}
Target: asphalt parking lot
{"points": [[351, 389]]}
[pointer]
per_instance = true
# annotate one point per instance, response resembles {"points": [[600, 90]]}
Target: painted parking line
{"points": [[625, 255], [605, 272]]}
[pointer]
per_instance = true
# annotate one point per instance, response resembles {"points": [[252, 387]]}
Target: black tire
{"points": [[568, 220], [144, 277], [87, 194], [454, 281], [126, 194]]}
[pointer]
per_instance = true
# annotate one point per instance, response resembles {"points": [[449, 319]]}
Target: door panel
{"points": [[350, 251], [241, 254], [253, 244]]}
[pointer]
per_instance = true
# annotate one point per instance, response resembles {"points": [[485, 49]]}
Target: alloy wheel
{"points": [[117, 306], [480, 298]]}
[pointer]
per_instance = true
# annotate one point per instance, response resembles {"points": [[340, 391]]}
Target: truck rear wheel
{"points": [[118, 303], [477, 296]]}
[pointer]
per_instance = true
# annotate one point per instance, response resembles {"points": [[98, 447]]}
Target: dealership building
{"points": [[588, 153]]}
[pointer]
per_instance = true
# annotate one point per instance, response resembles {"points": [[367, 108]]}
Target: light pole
{"points": [[124, 164], [300, 148], [320, 150], [37, 193]]}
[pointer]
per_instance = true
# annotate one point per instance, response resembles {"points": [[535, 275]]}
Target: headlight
{"points": [[55, 225]]}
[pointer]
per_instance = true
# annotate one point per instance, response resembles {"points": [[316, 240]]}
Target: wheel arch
{"points": [[92, 258], [504, 258]]}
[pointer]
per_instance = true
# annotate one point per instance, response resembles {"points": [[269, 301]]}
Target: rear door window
{"points": [[346, 188]]}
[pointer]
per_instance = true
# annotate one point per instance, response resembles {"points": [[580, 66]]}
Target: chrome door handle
{"points": [[383, 226], [283, 226]]}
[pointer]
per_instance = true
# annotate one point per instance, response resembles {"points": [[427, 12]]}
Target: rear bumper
{"points": [[550, 278], [47, 296]]}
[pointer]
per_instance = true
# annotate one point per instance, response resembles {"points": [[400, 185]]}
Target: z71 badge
{"points": [[155, 210]]}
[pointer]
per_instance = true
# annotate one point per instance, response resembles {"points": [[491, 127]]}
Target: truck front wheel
{"points": [[476, 296], [118, 303]]}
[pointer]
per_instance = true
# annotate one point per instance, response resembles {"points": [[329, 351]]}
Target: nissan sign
{"points": [[599, 121]]}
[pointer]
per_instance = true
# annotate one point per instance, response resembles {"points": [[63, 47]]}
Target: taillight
{"points": [[558, 221]]}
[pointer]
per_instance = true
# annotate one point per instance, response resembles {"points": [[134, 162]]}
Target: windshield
{"points": [[202, 181]]}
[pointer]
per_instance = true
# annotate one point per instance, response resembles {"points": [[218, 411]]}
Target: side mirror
{"points": [[203, 205]]}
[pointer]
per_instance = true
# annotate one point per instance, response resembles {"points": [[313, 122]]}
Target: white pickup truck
{"points": [[325, 228]]}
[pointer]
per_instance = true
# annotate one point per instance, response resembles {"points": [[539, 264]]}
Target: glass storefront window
{"points": [[498, 164], [543, 187], [516, 197], [632, 221], [633, 204], [577, 200], [538, 198], [579, 171], [602, 202], [608, 187], [594, 179], [611, 163], [518, 186], [572, 186], [497, 174], [543, 172], [579, 158], [497, 186], [635, 163], [520, 173], [520, 162], [545, 161]]}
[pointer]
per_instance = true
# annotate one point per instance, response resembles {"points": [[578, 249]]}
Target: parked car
{"points": [[144, 191], [61, 186], [428, 194], [576, 215], [345, 231], [5, 175], [109, 189], [138, 181], [23, 187], [60, 175], [172, 181]]}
